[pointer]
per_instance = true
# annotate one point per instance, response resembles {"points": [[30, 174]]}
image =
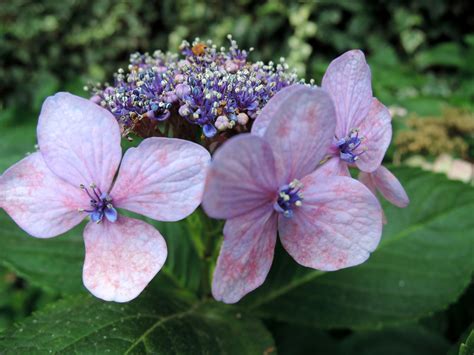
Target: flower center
{"points": [[101, 205], [347, 146], [289, 196]]}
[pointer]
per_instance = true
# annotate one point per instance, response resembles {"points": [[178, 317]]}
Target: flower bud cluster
{"points": [[218, 89]]}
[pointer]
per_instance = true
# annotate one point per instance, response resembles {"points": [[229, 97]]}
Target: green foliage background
{"points": [[414, 296]]}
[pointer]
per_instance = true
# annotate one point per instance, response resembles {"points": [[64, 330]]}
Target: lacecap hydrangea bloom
{"points": [[216, 91], [363, 128], [73, 176], [269, 181]]}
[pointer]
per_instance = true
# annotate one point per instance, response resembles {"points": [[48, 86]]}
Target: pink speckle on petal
{"points": [[121, 258]]}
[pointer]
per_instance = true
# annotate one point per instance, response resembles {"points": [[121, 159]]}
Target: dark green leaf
{"points": [[158, 323], [467, 348], [54, 264], [15, 144], [293, 339], [423, 264], [408, 340]]}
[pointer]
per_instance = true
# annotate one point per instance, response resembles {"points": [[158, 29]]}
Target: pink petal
{"points": [[271, 109], [338, 225], [348, 81], [121, 258], [333, 167], [241, 178], [246, 255], [80, 141], [301, 132], [38, 201], [163, 178], [390, 188], [377, 132], [366, 179]]}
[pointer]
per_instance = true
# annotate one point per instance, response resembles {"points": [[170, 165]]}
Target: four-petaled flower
{"points": [[363, 128], [266, 181], [72, 176]]}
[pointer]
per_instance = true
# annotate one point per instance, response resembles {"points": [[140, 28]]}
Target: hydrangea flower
{"points": [[72, 176], [217, 89], [266, 182], [363, 128]]}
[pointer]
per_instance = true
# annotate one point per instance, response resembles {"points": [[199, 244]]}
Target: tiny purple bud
{"points": [[231, 66], [184, 111], [96, 99], [170, 97], [242, 118], [179, 78], [222, 123], [182, 90]]}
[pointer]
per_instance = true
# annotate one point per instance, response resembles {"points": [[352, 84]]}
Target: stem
{"points": [[209, 237]]}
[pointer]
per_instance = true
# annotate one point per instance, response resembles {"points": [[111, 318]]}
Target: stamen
{"points": [[348, 145], [101, 204], [288, 197]]}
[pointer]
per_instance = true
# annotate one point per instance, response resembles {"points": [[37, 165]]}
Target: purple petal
{"points": [[246, 255], [348, 81], [333, 167], [241, 178], [301, 132], [366, 179], [390, 188], [271, 109], [79, 140], [163, 178], [338, 225], [42, 204], [111, 214], [377, 132]]}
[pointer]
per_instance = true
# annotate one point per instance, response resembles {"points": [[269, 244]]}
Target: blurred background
{"points": [[421, 53]]}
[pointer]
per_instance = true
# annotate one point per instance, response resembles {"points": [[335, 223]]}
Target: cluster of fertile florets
{"points": [[217, 89]]}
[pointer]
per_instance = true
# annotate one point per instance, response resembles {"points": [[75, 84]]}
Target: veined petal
{"points": [[377, 132], [121, 258], [333, 167], [390, 188], [301, 132], [42, 204], [241, 178], [338, 225], [163, 178], [348, 81], [272, 108], [80, 141], [246, 255]]}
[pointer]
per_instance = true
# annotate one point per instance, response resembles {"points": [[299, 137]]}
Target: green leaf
{"points": [[158, 323], [54, 264], [448, 54], [183, 265], [16, 142], [407, 340], [467, 348], [456, 348], [423, 263], [291, 339]]}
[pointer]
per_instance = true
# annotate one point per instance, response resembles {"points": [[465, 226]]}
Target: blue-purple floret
{"points": [[200, 85], [348, 147]]}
